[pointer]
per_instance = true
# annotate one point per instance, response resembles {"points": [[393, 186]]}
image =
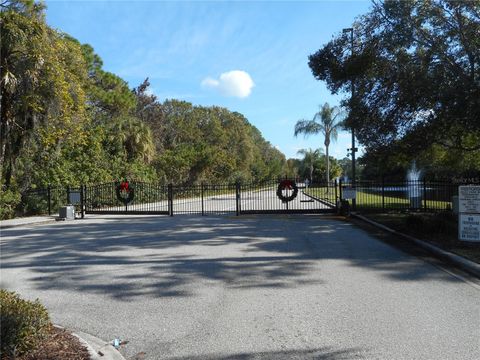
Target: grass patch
{"points": [[322, 193], [367, 200]]}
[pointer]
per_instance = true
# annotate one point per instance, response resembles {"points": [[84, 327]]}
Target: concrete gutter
{"points": [[467, 265], [97, 348]]}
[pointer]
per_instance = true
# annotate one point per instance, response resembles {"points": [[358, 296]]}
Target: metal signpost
{"points": [[469, 213]]}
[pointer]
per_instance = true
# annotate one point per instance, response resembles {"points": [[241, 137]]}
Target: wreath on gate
{"points": [[125, 192], [287, 185]]}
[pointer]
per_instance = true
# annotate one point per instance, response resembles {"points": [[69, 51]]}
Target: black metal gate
{"points": [[267, 197], [145, 199]]}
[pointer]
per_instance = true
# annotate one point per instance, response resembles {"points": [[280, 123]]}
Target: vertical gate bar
{"points": [[201, 190], [68, 194], [49, 195]]}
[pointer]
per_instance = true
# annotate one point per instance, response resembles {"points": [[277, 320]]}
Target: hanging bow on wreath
{"points": [[125, 192], [287, 185]]}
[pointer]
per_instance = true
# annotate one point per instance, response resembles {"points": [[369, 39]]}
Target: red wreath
{"points": [[287, 185], [122, 189], [124, 186]]}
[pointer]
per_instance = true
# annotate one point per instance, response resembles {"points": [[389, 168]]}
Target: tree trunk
{"points": [[328, 167], [4, 133]]}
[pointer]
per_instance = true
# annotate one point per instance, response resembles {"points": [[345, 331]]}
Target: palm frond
{"points": [[307, 127]]}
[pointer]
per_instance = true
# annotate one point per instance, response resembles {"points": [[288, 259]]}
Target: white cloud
{"points": [[235, 83], [210, 83]]}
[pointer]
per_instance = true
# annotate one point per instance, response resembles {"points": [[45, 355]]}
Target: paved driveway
{"points": [[269, 287]]}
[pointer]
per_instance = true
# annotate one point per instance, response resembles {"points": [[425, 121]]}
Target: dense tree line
{"points": [[67, 121], [415, 68]]}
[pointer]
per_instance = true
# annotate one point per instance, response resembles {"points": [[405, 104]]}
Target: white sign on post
{"points": [[349, 193], [74, 197], [469, 199], [469, 227], [469, 213]]}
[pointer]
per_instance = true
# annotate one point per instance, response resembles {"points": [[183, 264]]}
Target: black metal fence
{"points": [[245, 198], [415, 195], [204, 199], [49, 200], [262, 197], [146, 199]]}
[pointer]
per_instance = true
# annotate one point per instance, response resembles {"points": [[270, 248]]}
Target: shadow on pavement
{"points": [[316, 354], [125, 257]]}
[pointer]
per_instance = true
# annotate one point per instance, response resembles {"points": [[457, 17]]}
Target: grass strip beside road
{"points": [[440, 229]]}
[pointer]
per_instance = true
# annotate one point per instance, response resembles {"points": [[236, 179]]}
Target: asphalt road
{"points": [[248, 287]]}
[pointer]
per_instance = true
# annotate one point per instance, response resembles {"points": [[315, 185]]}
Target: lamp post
{"points": [[353, 149]]}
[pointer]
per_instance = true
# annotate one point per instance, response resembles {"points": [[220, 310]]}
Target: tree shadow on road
{"points": [[126, 257], [315, 354]]}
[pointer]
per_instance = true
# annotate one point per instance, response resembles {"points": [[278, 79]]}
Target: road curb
{"points": [[465, 264], [96, 346]]}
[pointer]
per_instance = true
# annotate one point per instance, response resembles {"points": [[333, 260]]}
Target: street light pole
{"points": [[353, 149]]}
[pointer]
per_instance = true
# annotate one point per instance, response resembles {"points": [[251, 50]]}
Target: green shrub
{"points": [[415, 222], [24, 324], [443, 223], [35, 204], [9, 200]]}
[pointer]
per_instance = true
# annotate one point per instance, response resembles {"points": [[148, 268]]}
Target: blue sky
{"points": [[261, 48]]}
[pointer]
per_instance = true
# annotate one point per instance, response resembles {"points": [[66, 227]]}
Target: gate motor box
{"points": [[67, 212]]}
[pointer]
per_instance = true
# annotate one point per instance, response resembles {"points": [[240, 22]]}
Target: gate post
{"points": [[68, 195], [237, 198], [383, 193], [170, 199], [336, 197], [49, 195], [340, 189], [424, 194], [82, 200], [202, 189]]}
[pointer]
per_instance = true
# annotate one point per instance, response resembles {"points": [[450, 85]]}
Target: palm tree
{"points": [[309, 157], [291, 168], [326, 121], [133, 137]]}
